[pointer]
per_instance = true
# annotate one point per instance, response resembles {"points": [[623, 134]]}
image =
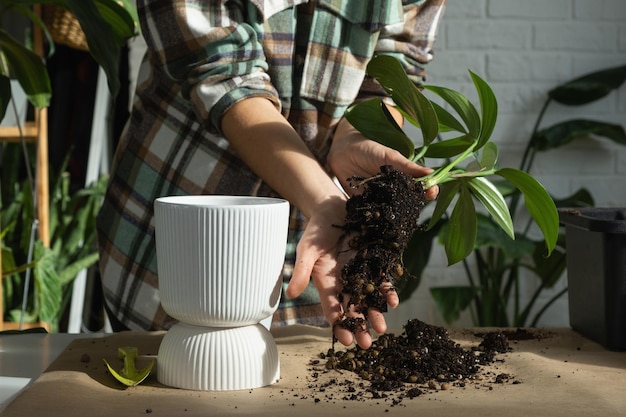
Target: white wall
{"points": [[523, 49]]}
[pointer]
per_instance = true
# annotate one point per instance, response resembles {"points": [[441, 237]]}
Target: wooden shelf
{"points": [[14, 134]]}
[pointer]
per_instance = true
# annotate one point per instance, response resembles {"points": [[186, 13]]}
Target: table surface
{"points": [[25, 356], [557, 374]]}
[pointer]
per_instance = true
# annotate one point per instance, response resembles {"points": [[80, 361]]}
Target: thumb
{"points": [[300, 276]]}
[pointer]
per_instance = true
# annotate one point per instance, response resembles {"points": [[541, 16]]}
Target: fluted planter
{"points": [[220, 262]]}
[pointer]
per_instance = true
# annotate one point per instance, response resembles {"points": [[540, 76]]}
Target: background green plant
{"points": [[72, 242], [493, 292]]}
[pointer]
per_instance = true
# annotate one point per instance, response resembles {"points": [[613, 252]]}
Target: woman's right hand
{"points": [[320, 255]]}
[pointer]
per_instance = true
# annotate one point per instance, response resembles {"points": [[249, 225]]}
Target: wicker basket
{"points": [[64, 27]]}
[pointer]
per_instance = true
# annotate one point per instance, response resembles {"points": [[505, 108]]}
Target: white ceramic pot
{"points": [[220, 261], [220, 258]]}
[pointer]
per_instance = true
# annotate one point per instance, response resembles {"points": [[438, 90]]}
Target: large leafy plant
{"points": [[107, 25], [494, 293], [493, 290], [72, 244]]}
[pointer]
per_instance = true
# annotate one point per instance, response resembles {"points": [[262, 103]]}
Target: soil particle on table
{"points": [[422, 359]]}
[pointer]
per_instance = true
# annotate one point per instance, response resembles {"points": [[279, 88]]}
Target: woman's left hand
{"points": [[352, 154]]}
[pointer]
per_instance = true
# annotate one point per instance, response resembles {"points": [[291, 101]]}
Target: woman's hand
{"points": [[321, 255], [352, 154]]}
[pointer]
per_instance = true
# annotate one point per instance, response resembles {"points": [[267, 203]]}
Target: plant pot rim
{"points": [[219, 201], [595, 219]]}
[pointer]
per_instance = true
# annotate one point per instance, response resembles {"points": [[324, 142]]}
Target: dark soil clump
{"points": [[422, 353], [422, 359], [379, 224]]}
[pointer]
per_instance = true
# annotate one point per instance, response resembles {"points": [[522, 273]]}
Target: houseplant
{"points": [[72, 245], [499, 259], [468, 160], [493, 290], [107, 24]]}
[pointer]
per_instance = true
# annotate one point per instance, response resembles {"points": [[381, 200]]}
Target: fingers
{"points": [[300, 277], [432, 193], [363, 339], [354, 328], [389, 291], [377, 321]]}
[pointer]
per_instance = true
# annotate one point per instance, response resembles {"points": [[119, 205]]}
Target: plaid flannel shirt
{"points": [[307, 57]]}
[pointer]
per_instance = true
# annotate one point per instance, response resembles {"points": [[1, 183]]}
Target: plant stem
{"points": [[439, 176]]}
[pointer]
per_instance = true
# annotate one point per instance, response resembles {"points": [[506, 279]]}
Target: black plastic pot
{"points": [[596, 273]]}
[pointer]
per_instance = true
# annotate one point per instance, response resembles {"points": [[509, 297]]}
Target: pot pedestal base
{"points": [[218, 359]]}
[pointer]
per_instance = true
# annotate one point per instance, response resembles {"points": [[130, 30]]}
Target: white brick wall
{"points": [[523, 49]]}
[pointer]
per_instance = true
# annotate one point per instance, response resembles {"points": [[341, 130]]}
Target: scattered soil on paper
{"points": [[422, 359]]}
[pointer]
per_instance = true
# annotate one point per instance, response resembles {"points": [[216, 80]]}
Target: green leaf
{"points": [[129, 375], [549, 268], [121, 15], [491, 235], [491, 198], [47, 284], [564, 132], [71, 271], [447, 192], [15, 315], [369, 119], [452, 301], [8, 262], [488, 108], [581, 198], [538, 202], [590, 87], [417, 109], [461, 105], [447, 121], [461, 228], [448, 148], [504, 187], [489, 157], [104, 42], [28, 68]]}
